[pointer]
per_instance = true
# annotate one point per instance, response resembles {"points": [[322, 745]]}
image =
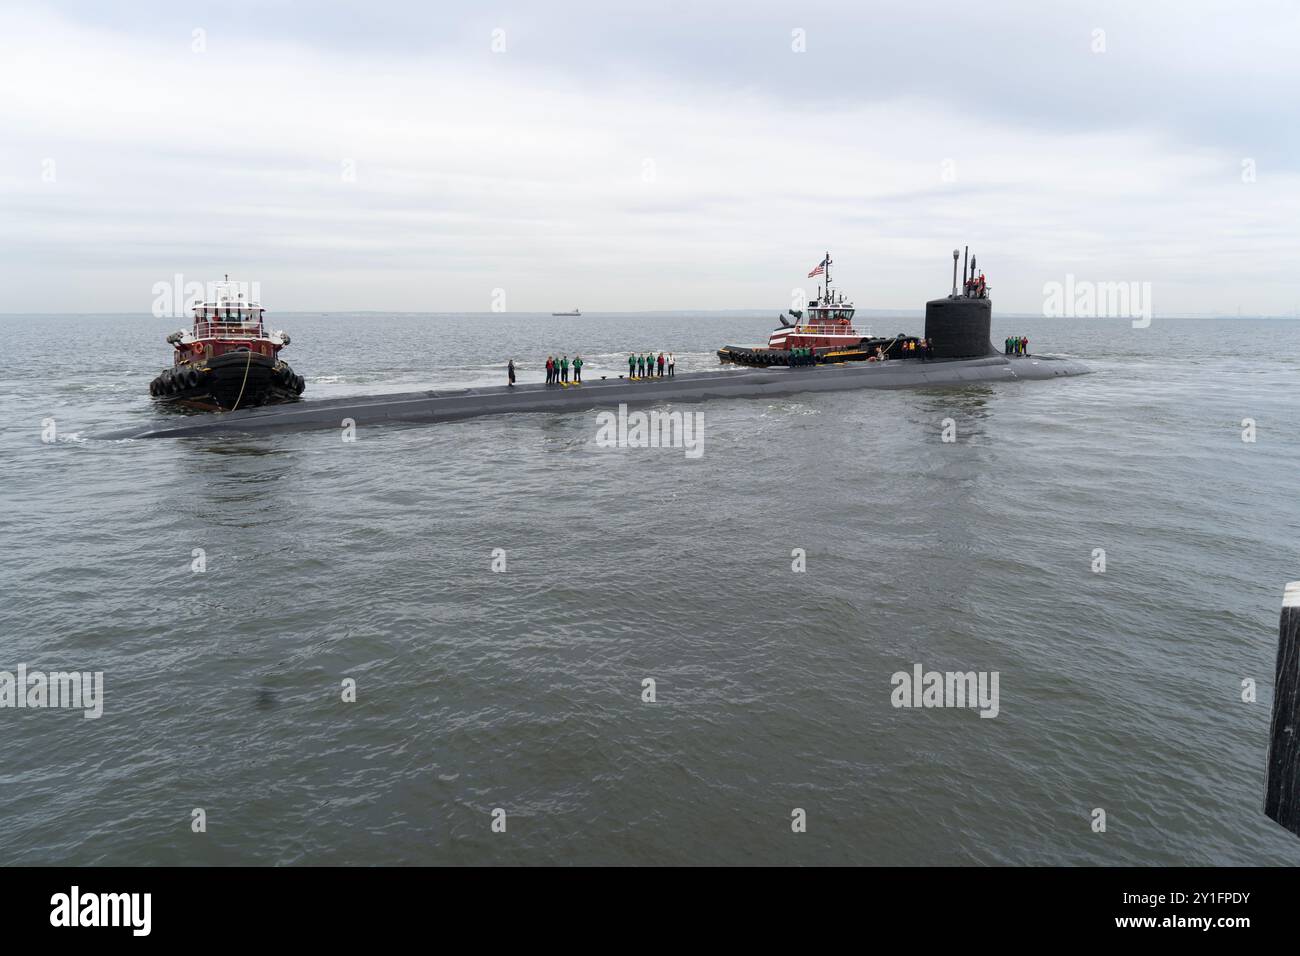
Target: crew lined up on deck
{"points": [[918, 348], [557, 370], [648, 365], [643, 366], [1017, 345]]}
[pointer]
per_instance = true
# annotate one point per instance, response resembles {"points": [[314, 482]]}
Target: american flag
{"points": [[821, 267]]}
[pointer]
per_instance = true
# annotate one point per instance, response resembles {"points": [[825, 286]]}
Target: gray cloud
{"points": [[644, 155]]}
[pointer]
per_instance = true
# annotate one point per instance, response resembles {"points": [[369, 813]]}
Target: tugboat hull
{"points": [[239, 379], [860, 350]]}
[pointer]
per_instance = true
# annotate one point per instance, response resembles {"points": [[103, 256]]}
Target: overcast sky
{"points": [[418, 156]]}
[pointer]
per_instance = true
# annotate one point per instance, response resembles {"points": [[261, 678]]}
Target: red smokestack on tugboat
{"points": [[228, 360]]}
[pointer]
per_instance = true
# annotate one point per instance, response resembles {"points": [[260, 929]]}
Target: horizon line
{"points": [[871, 313]]}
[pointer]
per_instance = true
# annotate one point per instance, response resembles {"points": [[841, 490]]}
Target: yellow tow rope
{"points": [[247, 365]]}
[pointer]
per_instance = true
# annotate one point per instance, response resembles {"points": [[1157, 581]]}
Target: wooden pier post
{"points": [[1282, 789]]}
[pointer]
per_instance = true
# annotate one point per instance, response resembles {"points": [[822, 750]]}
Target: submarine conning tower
{"points": [[958, 324]]}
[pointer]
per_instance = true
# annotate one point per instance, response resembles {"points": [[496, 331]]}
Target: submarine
{"points": [[957, 328]]}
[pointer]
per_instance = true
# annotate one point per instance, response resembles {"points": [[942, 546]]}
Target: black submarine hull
{"points": [[453, 404]]}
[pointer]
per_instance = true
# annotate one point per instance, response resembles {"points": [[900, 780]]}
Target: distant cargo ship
{"points": [[574, 312]]}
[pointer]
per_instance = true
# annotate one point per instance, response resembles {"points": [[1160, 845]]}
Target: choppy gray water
{"points": [[522, 690]]}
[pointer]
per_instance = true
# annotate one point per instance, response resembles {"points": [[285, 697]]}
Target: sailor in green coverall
{"points": [[631, 365], [577, 369]]}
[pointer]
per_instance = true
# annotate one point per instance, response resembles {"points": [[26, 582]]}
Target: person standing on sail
{"points": [[577, 369], [672, 364], [510, 373]]}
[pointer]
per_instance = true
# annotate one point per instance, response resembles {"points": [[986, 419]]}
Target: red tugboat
{"points": [[827, 331], [228, 360]]}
